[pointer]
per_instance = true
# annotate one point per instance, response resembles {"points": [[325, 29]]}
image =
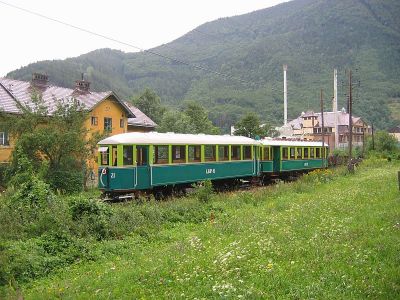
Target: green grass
{"points": [[325, 236]]}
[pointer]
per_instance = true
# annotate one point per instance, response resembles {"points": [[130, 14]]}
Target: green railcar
{"points": [[144, 161], [280, 156]]}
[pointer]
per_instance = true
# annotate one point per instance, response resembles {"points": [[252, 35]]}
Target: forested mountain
{"points": [[310, 36]]}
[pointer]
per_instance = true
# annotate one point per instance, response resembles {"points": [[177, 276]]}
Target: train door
{"points": [[143, 167], [276, 158]]}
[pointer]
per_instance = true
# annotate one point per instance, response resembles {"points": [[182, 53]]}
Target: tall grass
{"points": [[328, 235]]}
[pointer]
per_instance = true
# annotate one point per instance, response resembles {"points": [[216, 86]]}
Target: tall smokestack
{"points": [[335, 108], [284, 95]]}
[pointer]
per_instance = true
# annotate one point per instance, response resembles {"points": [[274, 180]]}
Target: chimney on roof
{"points": [[40, 80], [82, 86]]}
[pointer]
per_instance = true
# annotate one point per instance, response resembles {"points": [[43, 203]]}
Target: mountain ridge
{"points": [[310, 36]]}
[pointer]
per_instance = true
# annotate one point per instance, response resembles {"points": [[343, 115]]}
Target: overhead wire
{"points": [[152, 52]]}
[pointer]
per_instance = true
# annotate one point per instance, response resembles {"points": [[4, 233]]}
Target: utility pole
{"points": [[335, 107], [284, 95], [373, 138], [322, 129], [350, 105]]}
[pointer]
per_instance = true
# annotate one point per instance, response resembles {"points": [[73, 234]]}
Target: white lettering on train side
{"points": [[210, 171]]}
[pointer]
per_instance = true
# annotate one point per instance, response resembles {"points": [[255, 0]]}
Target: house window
{"points": [[121, 123], [108, 124], [94, 121], [3, 138]]}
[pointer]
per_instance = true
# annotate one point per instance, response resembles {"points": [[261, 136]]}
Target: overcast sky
{"points": [[27, 38]]}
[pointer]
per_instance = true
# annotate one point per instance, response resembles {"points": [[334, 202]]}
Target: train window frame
{"points": [[156, 158], [125, 158], [306, 152], [213, 149], [247, 152], [104, 152], [312, 152], [285, 153], [318, 152], [193, 158], [292, 152], [267, 153], [114, 155], [178, 154], [142, 160], [299, 150], [235, 152], [224, 150]]}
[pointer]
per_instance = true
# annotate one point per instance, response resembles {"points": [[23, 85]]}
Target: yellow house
{"points": [[107, 113]]}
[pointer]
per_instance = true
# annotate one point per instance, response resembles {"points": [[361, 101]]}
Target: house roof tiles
{"points": [[14, 93]]}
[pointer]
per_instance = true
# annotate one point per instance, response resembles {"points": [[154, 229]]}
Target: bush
{"points": [[37, 257], [33, 193], [204, 191], [66, 180], [91, 216]]}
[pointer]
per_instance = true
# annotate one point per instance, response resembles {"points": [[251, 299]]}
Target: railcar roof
{"points": [[156, 138], [272, 142]]}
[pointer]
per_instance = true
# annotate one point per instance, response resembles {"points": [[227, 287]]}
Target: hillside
{"points": [[311, 36], [326, 236]]}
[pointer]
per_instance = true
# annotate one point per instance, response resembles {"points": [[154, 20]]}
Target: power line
{"points": [[173, 59]]}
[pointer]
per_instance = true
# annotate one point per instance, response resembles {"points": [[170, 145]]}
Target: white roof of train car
{"points": [[156, 138], [272, 142]]}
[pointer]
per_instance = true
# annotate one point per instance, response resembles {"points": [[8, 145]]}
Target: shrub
{"points": [[33, 192], [204, 191], [66, 180], [91, 217], [37, 257]]}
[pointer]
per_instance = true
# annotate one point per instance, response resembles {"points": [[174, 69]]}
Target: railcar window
{"points": [[104, 157], [128, 155], [312, 153], [194, 153], [178, 154], [266, 153], [292, 153], [246, 152], [209, 152], [114, 155], [161, 154], [285, 153], [317, 153], [299, 152], [223, 153], [235, 152], [141, 155], [305, 152]]}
